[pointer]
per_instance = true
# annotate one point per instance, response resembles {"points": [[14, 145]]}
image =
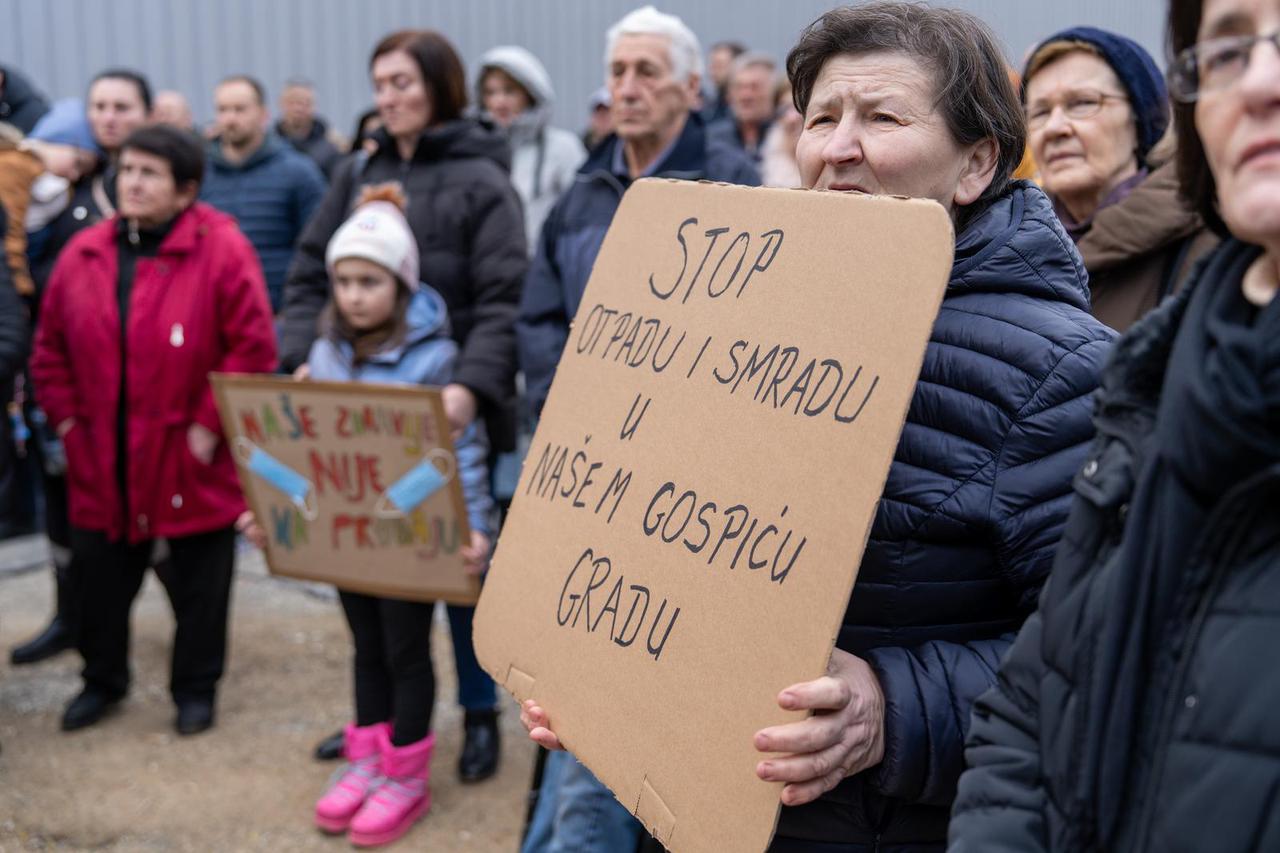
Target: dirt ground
{"points": [[131, 784]]}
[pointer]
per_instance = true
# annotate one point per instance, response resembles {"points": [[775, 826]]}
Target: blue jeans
{"points": [[577, 814], [476, 690]]}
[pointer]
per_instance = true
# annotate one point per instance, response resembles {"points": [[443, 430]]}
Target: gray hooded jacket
{"points": [[544, 159]]}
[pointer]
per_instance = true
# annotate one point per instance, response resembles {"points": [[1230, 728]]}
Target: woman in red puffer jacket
{"points": [[139, 310]]}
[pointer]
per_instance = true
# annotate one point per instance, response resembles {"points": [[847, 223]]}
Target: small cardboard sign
{"points": [[693, 510], [355, 484]]}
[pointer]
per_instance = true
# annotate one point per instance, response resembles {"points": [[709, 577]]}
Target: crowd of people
{"points": [[1057, 636]]}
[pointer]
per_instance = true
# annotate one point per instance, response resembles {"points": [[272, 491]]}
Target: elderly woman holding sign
{"points": [[908, 100]]}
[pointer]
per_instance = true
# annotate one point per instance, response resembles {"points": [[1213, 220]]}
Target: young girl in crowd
{"points": [[382, 325]]}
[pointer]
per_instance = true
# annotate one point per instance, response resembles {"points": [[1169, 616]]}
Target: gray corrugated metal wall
{"points": [[190, 44]]}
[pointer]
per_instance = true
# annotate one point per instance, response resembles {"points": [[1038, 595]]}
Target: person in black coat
{"points": [[467, 219], [15, 344], [20, 104], [1137, 709], [465, 215], [118, 103], [977, 494]]}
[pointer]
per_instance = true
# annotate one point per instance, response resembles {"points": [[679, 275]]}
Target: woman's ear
{"points": [[188, 194], [978, 172]]}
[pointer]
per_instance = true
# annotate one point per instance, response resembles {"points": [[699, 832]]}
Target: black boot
{"points": [[194, 716], [62, 631], [88, 708], [330, 749], [479, 759]]}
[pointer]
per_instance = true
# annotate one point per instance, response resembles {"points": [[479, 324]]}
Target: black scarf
{"points": [[1218, 423]]}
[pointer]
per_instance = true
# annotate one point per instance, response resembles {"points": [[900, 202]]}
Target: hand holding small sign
{"points": [[843, 737], [460, 407]]}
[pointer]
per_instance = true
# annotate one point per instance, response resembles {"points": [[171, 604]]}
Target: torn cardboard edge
{"points": [[650, 809], [653, 813]]}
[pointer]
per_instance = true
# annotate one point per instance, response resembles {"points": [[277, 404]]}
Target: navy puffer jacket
{"points": [[974, 505]]}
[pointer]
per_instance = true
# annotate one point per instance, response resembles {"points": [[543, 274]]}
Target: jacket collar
{"points": [[687, 158], [456, 139], [183, 237], [272, 145], [1017, 245], [1150, 218]]}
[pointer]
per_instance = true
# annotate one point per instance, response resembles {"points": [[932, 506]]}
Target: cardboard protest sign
{"points": [[692, 512], [355, 484]]}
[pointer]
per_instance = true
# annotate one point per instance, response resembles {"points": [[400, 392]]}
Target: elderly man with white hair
{"points": [[653, 69]]}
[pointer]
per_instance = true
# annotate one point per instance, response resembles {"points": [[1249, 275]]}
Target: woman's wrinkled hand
{"points": [[844, 735]]}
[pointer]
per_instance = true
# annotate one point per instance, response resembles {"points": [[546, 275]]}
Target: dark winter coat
{"points": [[467, 219], [728, 132], [1137, 710], [316, 145], [200, 305], [93, 199], [575, 229], [15, 334], [20, 104], [272, 195], [975, 502]]}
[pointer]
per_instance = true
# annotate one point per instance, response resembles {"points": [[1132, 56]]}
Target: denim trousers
{"points": [[476, 690], [577, 814]]}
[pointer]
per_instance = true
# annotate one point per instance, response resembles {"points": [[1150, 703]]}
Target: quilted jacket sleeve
{"points": [[306, 289], [498, 261], [930, 689]]}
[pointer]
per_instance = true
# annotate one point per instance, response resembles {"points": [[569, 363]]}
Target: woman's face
{"points": [[364, 293], [502, 97], [115, 110], [1081, 159], [1240, 124], [400, 94], [872, 126], [146, 189]]}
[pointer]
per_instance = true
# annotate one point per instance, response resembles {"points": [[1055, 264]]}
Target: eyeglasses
{"points": [[1213, 65], [1080, 104]]}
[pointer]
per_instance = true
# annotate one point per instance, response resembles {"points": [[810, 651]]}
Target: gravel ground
{"points": [[131, 784]]}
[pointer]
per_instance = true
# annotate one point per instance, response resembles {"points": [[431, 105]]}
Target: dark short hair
{"points": [[1195, 181], [440, 66], [259, 91], [974, 93], [129, 76], [180, 148]]}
